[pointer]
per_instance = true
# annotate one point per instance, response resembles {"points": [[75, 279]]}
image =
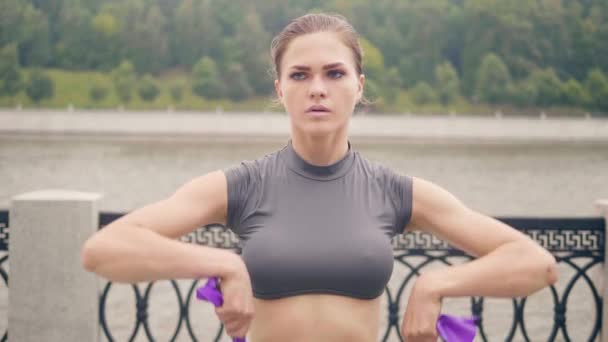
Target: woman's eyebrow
{"points": [[325, 67]]}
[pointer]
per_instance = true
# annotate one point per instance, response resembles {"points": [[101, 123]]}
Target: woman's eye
{"points": [[297, 76], [335, 73]]}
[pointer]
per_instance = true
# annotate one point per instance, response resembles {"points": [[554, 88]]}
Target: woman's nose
{"points": [[317, 88]]}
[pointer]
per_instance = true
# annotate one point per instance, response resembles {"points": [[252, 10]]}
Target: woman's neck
{"points": [[320, 151]]}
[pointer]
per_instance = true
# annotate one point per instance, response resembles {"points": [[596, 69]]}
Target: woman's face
{"points": [[319, 85]]}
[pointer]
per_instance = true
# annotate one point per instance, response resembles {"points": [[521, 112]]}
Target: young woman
{"points": [[316, 220]]}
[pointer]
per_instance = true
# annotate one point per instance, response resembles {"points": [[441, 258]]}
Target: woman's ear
{"points": [[277, 88], [361, 86]]}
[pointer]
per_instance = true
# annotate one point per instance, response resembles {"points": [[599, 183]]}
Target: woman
{"points": [[316, 220]]}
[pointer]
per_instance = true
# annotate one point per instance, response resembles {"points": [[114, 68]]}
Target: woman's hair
{"points": [[312, 23]]}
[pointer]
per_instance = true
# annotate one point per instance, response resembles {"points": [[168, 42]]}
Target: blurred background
{"points": [[431, 56], [503, 103]]}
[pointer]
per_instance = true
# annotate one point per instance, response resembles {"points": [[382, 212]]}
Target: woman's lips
{"points": [[318, 110], [318, 113]]}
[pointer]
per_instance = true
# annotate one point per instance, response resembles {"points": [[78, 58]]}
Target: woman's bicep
{"points": [[437, 211], [199, 202]]}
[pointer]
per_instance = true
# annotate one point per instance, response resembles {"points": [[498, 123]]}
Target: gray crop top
{"points": [[312, 229]]}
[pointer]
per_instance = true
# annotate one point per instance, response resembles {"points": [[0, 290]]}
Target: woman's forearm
{"points": [[512, 270], [132, 254]]}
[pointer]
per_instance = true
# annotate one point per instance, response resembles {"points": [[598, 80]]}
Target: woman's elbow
{"points": [[88, 257], [550, 269], [92, 251], [545, 265]]}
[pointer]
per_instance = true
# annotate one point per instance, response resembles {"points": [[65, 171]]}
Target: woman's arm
{"points": [[509, 263], [142, 245]]}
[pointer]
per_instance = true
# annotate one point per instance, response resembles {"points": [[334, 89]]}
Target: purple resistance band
{"points": [[451, 328], [211, 293], [456, 329]]}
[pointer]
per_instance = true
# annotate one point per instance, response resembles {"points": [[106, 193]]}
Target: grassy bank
{"points": [[73, 88]]}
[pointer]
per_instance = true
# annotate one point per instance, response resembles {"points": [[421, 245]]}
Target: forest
{"points": [[471, 56]]}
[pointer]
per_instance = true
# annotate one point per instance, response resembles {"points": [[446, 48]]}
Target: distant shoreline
{"points": [[225, 127]]}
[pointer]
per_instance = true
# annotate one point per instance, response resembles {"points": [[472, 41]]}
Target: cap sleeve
{"points": [[400, 189], [242, 181]]}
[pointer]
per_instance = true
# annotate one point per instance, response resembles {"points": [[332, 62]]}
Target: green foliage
{"points": [[371, 91], [448, 83], [98, 92], [10, 74], [597, 86], [177, 91], [523, 93], [124, 79], [493, 80], [39, 86], [237, 85], [413, 37], [105, 24], [205, 79], [548, 87], [423, 94], [34, 42], [148, 90], [392, 85], [574, 94], [10, 21], [373, 65]]}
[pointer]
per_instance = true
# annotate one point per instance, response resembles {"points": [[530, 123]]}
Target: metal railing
{"points": [[577, 243]]}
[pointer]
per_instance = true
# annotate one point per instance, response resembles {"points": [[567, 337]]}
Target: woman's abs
{"points": [[315, 317]]}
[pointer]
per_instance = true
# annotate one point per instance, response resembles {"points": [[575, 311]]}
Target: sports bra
{"points": [[317, 229]]}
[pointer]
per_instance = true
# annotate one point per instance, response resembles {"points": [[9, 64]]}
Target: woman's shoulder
{"points": [[377, 168], [256, 167]]}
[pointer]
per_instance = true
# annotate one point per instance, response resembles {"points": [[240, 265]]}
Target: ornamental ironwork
{"points": [[577, 243]]}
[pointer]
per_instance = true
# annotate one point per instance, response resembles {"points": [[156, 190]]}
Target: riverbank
{"points": [[117, 125]]}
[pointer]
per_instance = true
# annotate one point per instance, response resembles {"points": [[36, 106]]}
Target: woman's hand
{"points": [[422, 312], [236, 313]]}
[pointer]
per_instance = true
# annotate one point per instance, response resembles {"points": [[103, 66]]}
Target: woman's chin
{"points": [[320, 128]]}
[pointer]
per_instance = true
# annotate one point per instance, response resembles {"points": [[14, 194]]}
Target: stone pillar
{"points": [[602, 206], [51, 297]]}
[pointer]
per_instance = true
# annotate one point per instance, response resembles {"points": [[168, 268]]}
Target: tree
{"points": [[105, 32], [10, 74], [10, 21], [493, 80], [98, 92], [371, 90], [505, 28], [196, 32], [177, 91], [253, 56], [422, 39], [392, 84], [34, 42], [574, 94], [548, 87], [523, 93], [597, 86], [39, 86], [148, 90], [205, 79], [124, 78], [374, 61], [75, 46], [423, 94], [447, 83], [237, 84]]}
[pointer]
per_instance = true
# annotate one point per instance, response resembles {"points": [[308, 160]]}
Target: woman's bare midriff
{"points": [[316, 318]]}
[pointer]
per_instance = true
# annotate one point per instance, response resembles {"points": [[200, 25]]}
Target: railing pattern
{"points": [[4, 257], [577, 243]]}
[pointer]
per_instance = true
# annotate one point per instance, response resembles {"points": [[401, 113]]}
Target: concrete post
{"points": [[602, 205], [51, 297]]}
